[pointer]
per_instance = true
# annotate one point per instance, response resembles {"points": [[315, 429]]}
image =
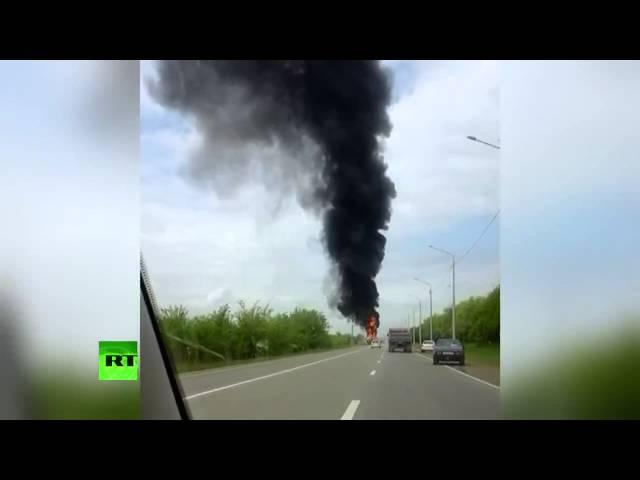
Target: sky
{"points": [[204, 251], [570, 204]]}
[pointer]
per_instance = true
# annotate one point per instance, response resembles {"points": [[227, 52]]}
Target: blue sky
{"points": [[206, 250]]}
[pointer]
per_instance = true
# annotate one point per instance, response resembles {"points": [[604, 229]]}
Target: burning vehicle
{"points": [[373, 323]]}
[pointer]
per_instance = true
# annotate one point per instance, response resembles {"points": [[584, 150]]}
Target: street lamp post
{"points": [[482, 141], [413, 326], [453, 285], [413, 335], [412, 321], [430, 309], [430, 315], [420, 322]]}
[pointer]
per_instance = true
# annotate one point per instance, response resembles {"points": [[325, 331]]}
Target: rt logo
{"points": [[118, 360]]}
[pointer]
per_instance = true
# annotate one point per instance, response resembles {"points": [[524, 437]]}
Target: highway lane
{"points": [[359, 383], [409, 386]]}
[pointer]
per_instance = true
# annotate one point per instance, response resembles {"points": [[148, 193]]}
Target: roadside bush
{"points": [[477, 320], [246, 333]]}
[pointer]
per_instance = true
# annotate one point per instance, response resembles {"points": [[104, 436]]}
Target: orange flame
{"points": [[372, 331]]}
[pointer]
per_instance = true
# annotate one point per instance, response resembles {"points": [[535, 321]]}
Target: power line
{"points": [[479, 238], [458, 260]]}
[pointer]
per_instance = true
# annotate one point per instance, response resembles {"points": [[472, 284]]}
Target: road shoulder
{"points": [[486, 373]]}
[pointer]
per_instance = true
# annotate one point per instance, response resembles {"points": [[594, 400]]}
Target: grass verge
{"points": [[488, 354]]}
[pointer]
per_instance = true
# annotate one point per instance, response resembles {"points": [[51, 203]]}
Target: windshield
{"points": [[447, 342], [274, 252]]}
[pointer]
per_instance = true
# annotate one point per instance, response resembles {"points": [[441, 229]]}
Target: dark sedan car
{"points": [[448, 350]]}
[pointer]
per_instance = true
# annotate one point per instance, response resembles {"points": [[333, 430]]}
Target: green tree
{"points": [[477, 319], [252, 327]]}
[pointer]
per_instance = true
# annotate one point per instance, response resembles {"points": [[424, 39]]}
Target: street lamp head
{"points": [[471, 138], [422, 281]]}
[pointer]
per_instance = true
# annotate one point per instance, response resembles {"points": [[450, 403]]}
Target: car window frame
{"points": [[149, 304]]}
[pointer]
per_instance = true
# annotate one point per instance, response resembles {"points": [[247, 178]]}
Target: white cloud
{"points": [[440, 175]]}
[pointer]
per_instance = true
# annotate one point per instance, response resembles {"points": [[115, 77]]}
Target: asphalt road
{"points": [[359, 383]]}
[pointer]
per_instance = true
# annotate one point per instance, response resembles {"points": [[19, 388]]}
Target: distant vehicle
{"points": [[448, 350], [375, 344], [399, 338], [427, 346]]}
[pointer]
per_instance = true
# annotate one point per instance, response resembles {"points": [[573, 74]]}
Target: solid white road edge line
{"points": [[213, 371], [462, 373], [351, 410], [281, 372]]}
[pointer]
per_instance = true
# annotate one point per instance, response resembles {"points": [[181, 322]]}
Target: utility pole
{"points": [[453, 284], [413, 330], [430, 307], [420, 323], [430, 315], [453, 310], [351, 333], [413, 326]]}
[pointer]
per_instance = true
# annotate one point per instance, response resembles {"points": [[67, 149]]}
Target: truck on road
{"points": [[400, 338]]}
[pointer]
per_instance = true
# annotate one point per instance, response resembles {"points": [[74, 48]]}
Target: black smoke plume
{"points": [[315, 126]]}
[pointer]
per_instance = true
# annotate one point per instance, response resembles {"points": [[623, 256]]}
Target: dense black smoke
{"points": [[315, 126]]}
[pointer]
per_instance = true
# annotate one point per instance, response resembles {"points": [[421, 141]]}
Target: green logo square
{"points": [[118, 360]]}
